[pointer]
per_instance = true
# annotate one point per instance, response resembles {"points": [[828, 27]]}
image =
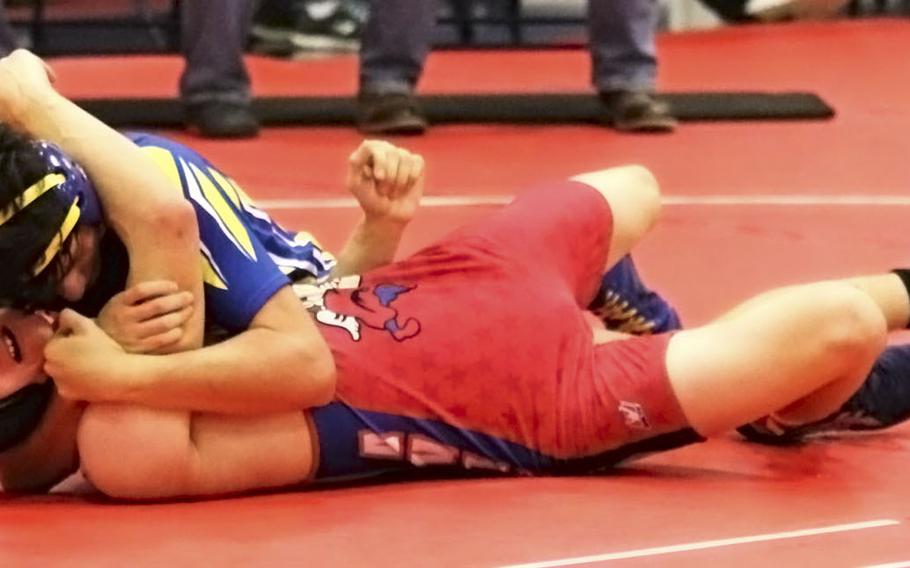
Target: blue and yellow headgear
{"points": [[67, 179], [22, 411]]}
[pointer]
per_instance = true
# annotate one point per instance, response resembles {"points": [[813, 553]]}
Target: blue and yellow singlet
{"points": [[246, 256]]}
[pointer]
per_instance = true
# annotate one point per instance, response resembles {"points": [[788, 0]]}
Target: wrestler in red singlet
{"points": [[475, 352]]}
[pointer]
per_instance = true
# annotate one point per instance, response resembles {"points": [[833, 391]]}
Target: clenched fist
{"points": [[386, 180]]}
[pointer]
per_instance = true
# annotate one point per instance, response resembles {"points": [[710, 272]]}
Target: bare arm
{"points": [[134, 452], [388, 183], [150, 215], [370, 245], [280, 363]]}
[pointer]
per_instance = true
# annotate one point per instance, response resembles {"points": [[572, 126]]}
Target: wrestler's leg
{"points": [[570, 231], [623, 302], [634, 198], [882, 401], [796, 352]]}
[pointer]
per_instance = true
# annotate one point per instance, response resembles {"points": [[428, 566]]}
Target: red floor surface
{"points": [[704, 256]]}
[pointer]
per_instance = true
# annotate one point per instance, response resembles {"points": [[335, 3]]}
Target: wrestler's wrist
{"points": [[13, 102], [383, 235], [33, 107], [130, 380], [384, 224]]}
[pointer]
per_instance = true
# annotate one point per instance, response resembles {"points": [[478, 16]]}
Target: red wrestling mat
{"points": [[842, 501], [727, 233]]}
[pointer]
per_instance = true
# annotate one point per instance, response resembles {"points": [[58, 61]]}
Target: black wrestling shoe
{"points": [[637, 111], [390, 114], [219, 119]]}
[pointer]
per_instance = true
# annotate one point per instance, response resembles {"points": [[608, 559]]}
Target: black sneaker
{"points": [[219, 119], [390, 114], [288, 26], [637, 111]]}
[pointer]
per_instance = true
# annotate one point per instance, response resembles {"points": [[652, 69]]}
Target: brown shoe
{"points": [[389, 114], [637, 111]]}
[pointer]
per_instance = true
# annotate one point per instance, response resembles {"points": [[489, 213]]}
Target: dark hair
{"points": [[24, 238], [21, 413]]}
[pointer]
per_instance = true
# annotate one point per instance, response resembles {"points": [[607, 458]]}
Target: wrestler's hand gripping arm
{"points": [[280, 363], [150, 215]]}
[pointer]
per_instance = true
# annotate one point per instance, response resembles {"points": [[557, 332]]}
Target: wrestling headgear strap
{"points": [[67, 179], [77, 183], [21, 412]]}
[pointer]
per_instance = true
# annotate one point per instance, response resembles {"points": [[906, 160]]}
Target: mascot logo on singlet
{"points": [[347, 304]]}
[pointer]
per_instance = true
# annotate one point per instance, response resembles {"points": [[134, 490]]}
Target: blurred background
{"points": [[118, 26]]}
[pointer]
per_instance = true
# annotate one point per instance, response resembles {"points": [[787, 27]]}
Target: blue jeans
{"points": [[214, 34], [213, 38], [397, 40]]}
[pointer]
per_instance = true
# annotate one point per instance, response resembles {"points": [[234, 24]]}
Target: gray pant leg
{"points": [[214, 34], [395, 45], [623, 51], [7, 37]]}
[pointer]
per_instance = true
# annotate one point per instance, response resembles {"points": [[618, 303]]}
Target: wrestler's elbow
{"points": [[136, 453], [314, 380], [175, 218], [165, 222]]}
